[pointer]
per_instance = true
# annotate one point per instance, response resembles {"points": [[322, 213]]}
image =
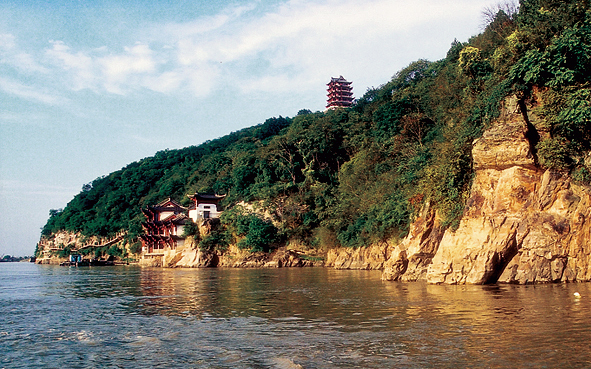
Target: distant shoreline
{"points": [[17, 259]]}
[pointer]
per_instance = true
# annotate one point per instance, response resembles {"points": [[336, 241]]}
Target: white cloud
{"points": [[79, 66], [30, 93], [100, 70], [201, 80], [303, 42], [11, 55], [313, 39], [298, 44], [165, 83], [120, 71]]}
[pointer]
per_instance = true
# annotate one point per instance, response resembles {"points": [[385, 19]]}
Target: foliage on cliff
{"points": [[356, 176]]}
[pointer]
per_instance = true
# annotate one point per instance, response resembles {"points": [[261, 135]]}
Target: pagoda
{"points": [[163, 227], [340, 93], [165, 222]]}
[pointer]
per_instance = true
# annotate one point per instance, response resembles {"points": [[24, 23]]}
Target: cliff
{"points": [[521, 224], [57, 248], [367, 258]]}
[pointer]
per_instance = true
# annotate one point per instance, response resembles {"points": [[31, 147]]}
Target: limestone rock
{"points": [[368, 258], [505, 144], [197, 259], [410, 259], [521, 224], [290, 258], [72, 242]]}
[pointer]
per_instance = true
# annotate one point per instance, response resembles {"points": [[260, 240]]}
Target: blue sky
{"points": [[87, 87]]}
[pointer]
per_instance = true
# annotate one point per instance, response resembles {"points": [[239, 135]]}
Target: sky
{"points": [[87, 87]]}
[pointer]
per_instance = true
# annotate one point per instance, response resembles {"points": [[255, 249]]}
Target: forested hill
{"points": [[356, 176]]}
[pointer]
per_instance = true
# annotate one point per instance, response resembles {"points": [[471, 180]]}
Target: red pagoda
{"points": [[164, 226], [340, 93]]}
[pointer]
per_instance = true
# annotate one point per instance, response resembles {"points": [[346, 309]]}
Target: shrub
{"points": [[260, 235], [115, 250], [216, 240], [190, 229], [135, 247], [65, 251], [582, 175], [553, 153]]}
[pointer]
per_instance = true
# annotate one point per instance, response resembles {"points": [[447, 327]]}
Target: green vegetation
{"points": [[355, 176], [191, 229], [64, 252], [252, 231]]}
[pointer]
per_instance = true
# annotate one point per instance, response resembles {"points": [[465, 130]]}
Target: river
{"points": [[131, 317]]}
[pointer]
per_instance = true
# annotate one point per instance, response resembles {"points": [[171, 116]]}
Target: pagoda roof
{"points": [[340, 79], [180, 218], [169, 203], [166, 205], [169, 217], [206, 196]]}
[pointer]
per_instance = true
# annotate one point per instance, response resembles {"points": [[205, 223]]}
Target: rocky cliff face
{"points": [[57, 248], [48, 247], [189, 256], [521, 224], [369, 258]]}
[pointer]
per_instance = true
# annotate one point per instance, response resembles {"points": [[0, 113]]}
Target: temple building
{"points": [[206, 206], [340, 93], [164, 226], [165, 222]]}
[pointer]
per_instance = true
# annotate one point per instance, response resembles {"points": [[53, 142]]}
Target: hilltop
{"points": [[407, 153]]}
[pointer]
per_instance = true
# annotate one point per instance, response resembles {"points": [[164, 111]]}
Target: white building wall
{"points": [[199, 213]]}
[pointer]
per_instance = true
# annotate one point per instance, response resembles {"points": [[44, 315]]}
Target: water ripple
{"points": [[282, 318]]}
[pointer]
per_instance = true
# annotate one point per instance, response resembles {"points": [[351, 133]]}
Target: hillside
{"points": [[359, 176]]}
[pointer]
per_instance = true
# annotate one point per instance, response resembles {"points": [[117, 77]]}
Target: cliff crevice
{"points": [[521, 224]]}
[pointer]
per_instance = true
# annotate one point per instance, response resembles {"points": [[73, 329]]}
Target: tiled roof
{"points": [[206, 196]]}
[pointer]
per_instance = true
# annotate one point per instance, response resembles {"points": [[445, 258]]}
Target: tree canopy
{"points": [[357, 176]]}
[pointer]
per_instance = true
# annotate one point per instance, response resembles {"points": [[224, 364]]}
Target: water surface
{"points": [[130, 317]]}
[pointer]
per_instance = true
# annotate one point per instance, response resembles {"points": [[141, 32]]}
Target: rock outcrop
{"points": [[56, 248], [368, 258], [188, 255], [521, 224], [410, 259], [280, 258]]}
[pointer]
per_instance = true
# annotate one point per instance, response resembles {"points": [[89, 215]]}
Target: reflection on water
{"points": [[282, 318]]}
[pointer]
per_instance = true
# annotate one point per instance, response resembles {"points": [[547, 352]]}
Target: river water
{"points": [[131, 317]]}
